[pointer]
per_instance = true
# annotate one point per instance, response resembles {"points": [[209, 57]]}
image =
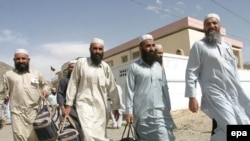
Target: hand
{"points": [[67, 110], [193, 104], [116, 114], [129, 118], [44, 93]]}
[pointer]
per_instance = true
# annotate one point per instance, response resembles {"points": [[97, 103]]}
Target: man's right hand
{"points": [[193, 104], [67, 110], [129, 118]]}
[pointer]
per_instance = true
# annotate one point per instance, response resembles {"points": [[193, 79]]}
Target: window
{"points": [[136, 55], [123, 73], [180, 52], [124, 59]]}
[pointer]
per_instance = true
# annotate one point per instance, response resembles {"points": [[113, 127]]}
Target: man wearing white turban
{"points": [[90, 83], [24, 87], [147, 98], [212, 63]]}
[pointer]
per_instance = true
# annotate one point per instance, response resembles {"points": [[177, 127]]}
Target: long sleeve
{"points": [[72, 88], [192, 71], [112, 90], [129, 95], [61, 92]]}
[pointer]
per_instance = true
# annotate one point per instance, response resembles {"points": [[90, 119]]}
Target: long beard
{"points": [[96, 58], [159, 60], [148, 57], [22, 68], [213, 37]]}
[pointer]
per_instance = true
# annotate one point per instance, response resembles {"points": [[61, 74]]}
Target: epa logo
{"points": [[238, 132]]}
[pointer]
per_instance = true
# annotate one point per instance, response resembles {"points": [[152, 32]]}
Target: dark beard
{"points": [[69, 74], [160, 61], [22, 68], [148, 57], [96, 58], [213, 37]]}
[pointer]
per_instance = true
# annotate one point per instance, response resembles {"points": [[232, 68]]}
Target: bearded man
{"points": [[213, 64], [147, 97], [90, 83], [24, 87]]}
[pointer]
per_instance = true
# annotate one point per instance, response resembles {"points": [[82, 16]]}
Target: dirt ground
{"points": [[190, 127]]}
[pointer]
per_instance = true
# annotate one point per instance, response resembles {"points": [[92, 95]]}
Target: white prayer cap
{"points": [[97, 40], [23, 51], [72, 62], [146, 37], [158, 46], [212, 15]]}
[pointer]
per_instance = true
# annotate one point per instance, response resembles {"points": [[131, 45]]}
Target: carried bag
{"points": [[68, 132], [44, 125], [130, 130]]}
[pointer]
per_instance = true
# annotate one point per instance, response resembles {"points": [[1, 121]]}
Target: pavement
{"points": [[114, 134]]}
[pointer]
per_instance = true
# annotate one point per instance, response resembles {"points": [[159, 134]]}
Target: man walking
{"points": [[147, 97], [212, 63], [25, 88], [90, 83]]}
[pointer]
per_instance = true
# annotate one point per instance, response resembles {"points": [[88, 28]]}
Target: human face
{"points": [[96, 53], [159, 54], [148, 52], [21, 62], [71, 67], [211, 25], [212, 30]]}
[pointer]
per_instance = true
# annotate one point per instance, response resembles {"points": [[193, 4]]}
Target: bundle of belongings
{"points": [[46, 122]]}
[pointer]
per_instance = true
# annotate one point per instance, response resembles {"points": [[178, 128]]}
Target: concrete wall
{"points": [[175, 67]]}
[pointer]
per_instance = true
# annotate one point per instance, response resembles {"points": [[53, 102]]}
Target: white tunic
{"points": [[24, 91], [223, 98], [88, 87]]}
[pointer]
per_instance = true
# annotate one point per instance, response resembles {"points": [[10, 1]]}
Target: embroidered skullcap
{"points": [[158, 46], [53, 89], [97, 40], [146, 37], [23, 51], [72, 62], [212, 15]]}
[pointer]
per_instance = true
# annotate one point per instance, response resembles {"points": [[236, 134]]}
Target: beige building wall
{"points": [[176, 38]]}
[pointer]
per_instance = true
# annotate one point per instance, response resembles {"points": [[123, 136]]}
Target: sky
{"points": [[57, 31]]}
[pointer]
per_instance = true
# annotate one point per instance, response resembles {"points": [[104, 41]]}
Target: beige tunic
{"points": [[88, 86], [24, 91]]}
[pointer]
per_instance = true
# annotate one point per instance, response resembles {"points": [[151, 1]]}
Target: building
{"points": [[177, 39]]}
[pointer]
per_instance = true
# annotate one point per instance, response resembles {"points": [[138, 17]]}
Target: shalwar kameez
{"points": [[89, 86], [24, 91], [147, 98], [223, 98]]}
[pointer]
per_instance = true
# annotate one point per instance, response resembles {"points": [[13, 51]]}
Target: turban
{"points": [[146, 37], [212, 15], [97, 40], [158, 46], [23, 51], [72, 62]]}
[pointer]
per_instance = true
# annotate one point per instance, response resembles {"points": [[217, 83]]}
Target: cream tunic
{"points": [[24, 91], [88, 87]]}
